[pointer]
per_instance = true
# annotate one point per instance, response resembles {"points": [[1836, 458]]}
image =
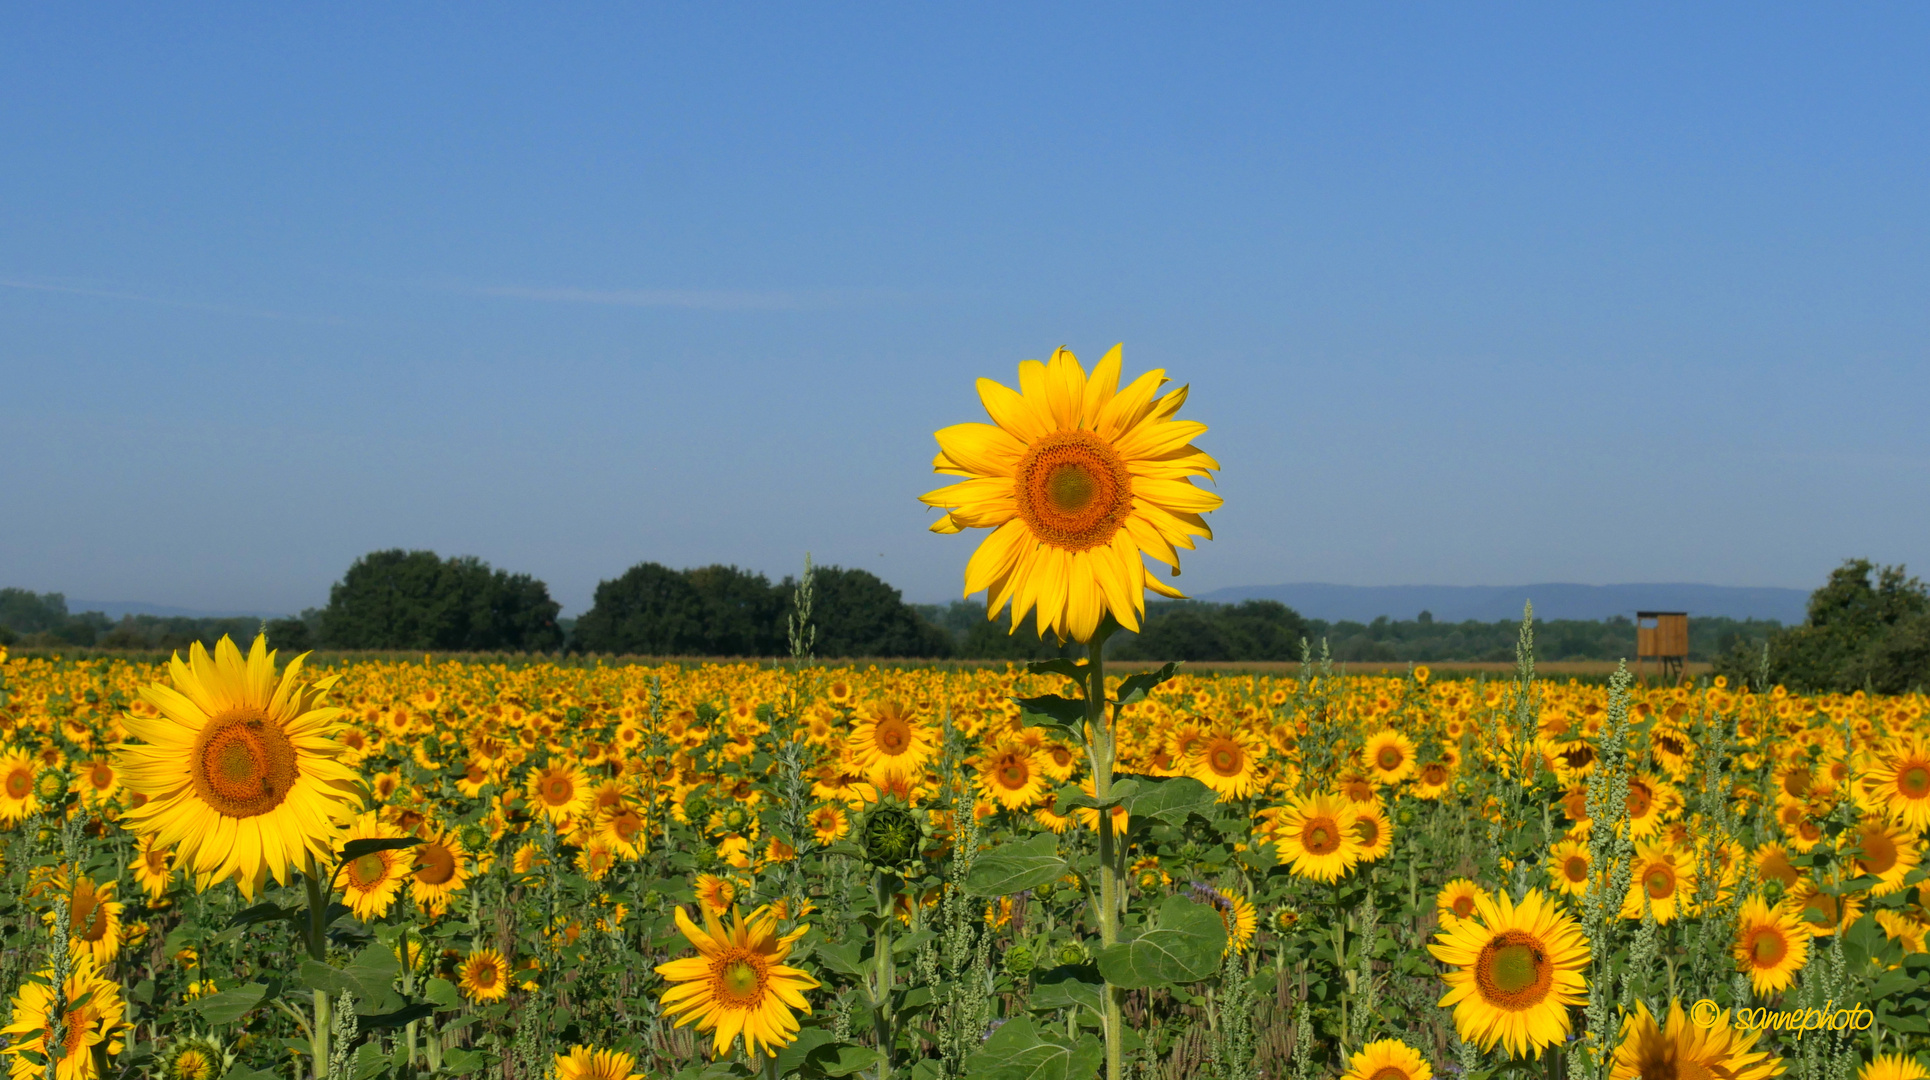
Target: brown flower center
{"points": [[737, 980], [20, 783], [1321, 836], [435, 864], [1389, 758], [1914, 781], [1513, 972], [1879, 851], [1767, 947], [244, 763], [1073, 490], [367, 871]]}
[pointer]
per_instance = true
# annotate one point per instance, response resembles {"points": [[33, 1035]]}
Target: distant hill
{"points": [[1458, 603], [114, 609]]}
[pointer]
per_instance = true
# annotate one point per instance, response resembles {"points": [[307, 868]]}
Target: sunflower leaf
{"points": [[1184, 947], [1135, 688], [397, 1018], [1070, 668], [442, 992], [791, 1058], [1064, 714], [1171, 800], [231, 1005], [1014, 868], [1020, 1050], [1072, 795], [355, 849], [264, 912]]}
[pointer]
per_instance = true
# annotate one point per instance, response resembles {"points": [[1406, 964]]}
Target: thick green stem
{"points": [[315, 938], [884, 974], [1099, 734]]}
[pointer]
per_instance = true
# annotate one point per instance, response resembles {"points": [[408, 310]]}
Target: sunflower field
{"points": [[227, 867], [610, 871]]}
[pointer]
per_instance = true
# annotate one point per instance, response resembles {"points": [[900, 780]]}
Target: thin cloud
{"points": [[189, 305]]}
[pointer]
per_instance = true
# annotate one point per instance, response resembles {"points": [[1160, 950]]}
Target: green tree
{"points": [[743, 615], [857, 614], [651, 610], [1859, 633], [416, 600]]}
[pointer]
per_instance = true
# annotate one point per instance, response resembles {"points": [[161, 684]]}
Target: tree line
{"points": [[1867, 627]]}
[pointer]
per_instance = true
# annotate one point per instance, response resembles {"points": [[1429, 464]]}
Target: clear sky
{"points": [[1469, 294]]}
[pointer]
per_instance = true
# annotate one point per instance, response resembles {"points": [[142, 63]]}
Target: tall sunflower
{"points": [[18, 797], [1316, 837], [1516, 970], [370, 882], [1666, 876], [889, 739], [153, 868], [560, 790], [1568, 862], [239, 769], [439, 870], [584, 1063], [1387, 1059], [737, 984], [1680, 1048], [1010, 774], [1771, 944], [1885, 851], [484, 976], [94, 1016], [93, 915], [1389, 755], [1225, 760], [1458, 900], [1078, 480]]}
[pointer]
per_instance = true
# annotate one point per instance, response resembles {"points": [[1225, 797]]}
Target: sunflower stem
{"points": [[1099, 735], [315, 939]]}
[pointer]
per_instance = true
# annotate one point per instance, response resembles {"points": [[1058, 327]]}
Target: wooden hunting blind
{"points": [[1663, 636]]}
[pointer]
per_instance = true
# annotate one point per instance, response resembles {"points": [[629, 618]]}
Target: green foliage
{"points": [[653, 610], [416, 600], [1189, 630], [1860, 634]]}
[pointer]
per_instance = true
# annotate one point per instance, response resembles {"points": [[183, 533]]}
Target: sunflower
{"points": [[1010, 775], [1516, 969], [1568, 867], [1771, 945], [1078, 480], [439, 870], [1892, 1067], [1387, 1059], [96, 780], [370, 882], [1389, 756], [1236, 912], [1148, 876], [1457, 900], [93, 916], [1824, 912], [829, 824], [583, 1063], [738, 984], [1225, 761], [1772, 864], [1665, 876], [714, 893], [1373, 833], [484, 976], [153, 867], [1884, 851], [1432, 781], [889, 739], [625, 830], [94, 1013], [1900, 927], [1058, 760], [19, 799], [596, 860], [239, 769], [1317, 838], [560, 790], [1679, 1048], [195, 1057], [476, 775]]}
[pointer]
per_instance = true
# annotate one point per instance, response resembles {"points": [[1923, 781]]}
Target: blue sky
{"points": [[1469, 294]]}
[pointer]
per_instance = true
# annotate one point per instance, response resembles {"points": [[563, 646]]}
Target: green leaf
{"points": [[1019, 1050], [231, 1005], [456, 1062], [395, 1019], [442, 993], [319, 976], [1072, 795], [849, 1059], [1068, 994], [243, 1072], [372, 974], [1185, 946], [265, 912], [369, 1062], [845, 957], [1135, 687], [791, 1058], [355, 849], [1063, 714], [1014, 868], [1171, 800], [1070, 668]]}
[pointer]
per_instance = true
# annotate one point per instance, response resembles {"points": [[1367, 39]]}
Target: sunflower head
{"points": [[892, 837], [195, 1057]]}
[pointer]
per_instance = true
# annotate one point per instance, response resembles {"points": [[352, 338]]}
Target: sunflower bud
{"points": [[1071, 953], [1019, 961], [892, 838]]}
